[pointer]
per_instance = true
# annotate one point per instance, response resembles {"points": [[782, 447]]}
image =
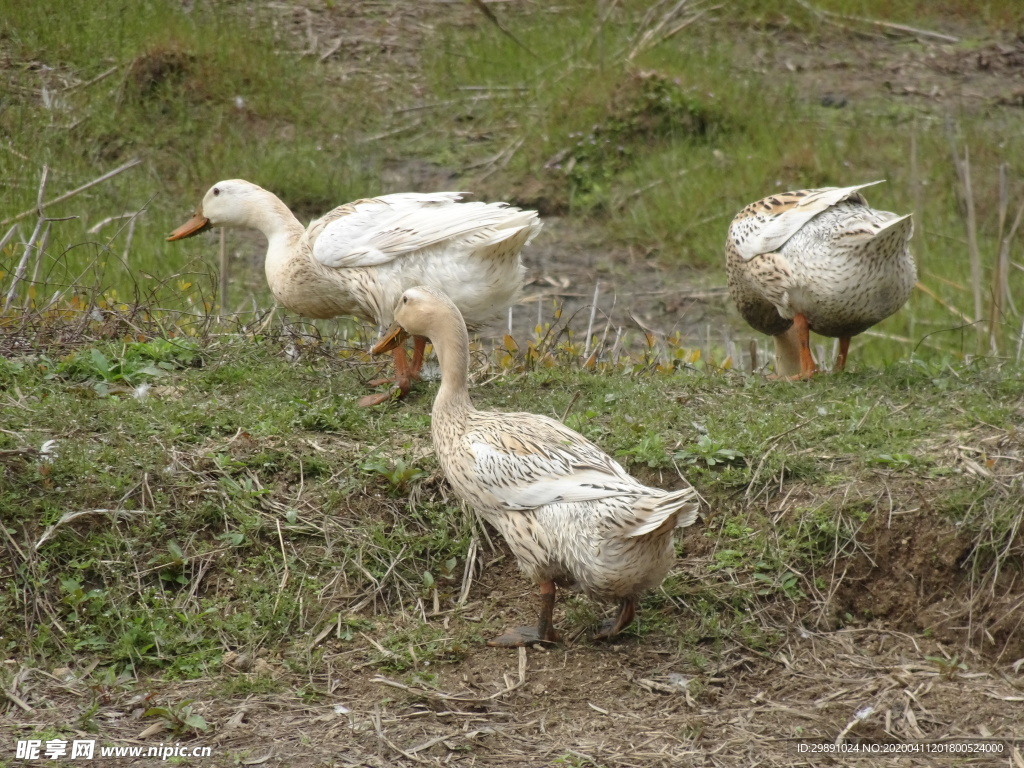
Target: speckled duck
{"points": [[817, 260], [570, 514]]}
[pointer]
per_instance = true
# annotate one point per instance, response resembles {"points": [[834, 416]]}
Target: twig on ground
{"points": [[906, 29], [67, 517], [429, 694], [467, 573], [494, 20], [85, 84], [17, 700]]}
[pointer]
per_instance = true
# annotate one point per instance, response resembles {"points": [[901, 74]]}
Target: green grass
{"points": [[658, 144], [196, 96], [201, 497]]}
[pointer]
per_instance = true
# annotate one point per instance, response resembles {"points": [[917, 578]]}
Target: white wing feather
{"points": [[777, 230], [652, 513], [548, 463], [555, 476], [379, 230]]}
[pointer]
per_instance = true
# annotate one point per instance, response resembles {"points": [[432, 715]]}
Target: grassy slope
{"points": [[199, 497], [657, 145]]}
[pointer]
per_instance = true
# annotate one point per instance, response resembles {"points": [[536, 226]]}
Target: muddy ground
{"points": [[643, 701]]}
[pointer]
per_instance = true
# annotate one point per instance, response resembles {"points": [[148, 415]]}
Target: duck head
{"points": [[421, 311], [226, 204]]}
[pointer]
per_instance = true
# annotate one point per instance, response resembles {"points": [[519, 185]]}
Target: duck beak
{"points": [[392, 339], [193, 226]]}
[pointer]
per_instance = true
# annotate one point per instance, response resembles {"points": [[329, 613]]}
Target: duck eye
{"points": [[216, 191]]}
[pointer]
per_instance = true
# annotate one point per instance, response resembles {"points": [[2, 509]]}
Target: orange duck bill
{"points": [[193, 226], [392, 340]]}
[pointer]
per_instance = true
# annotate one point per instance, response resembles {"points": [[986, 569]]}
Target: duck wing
{"points": [[765, 226], [376, 231], [541, 462], [529, 460]]}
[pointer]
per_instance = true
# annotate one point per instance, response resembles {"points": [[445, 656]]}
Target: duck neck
{"points": [[452, 347], [787, 353], [282, 230]]}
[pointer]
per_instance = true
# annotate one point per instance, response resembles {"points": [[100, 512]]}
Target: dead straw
{"points": [[72, 193], [19, 271], [836, 18], [494, 20], [1000, 273], [590, 324], [963, 172], [222, 282]]}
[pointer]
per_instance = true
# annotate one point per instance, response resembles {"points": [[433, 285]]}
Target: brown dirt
{"points": [[638, 702]]}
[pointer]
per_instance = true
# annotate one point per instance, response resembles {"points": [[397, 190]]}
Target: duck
{"points": [[571, 515], [358, 258], [817, 260]]}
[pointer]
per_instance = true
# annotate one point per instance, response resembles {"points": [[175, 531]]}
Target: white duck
{"points": [[817, 260], [571, 515], [359, 258]]}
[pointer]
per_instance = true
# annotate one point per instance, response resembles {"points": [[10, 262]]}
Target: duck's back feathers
{"points": [[375, 231], [766, 225], [530, 460], [824, 254], [526, 461]]}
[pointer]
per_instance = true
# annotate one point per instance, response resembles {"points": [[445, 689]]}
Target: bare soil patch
{"points": [[641, 701]]}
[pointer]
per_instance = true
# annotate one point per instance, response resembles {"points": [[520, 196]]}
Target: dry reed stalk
{"points": [[999, 274], [1006, 245], [658, 33], [963, 172], [916, 187], [222, 281], [19, 271], [44, 241], [72, 193], [9, 236], [590, 325], [1004, 258], [948, 307], [494, 20], [128, 239], [915, 31]]}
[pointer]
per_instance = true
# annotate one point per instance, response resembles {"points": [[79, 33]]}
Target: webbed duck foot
{"points": [[542, 634], [522, 637], [611, 627], [378, 398], [404, 376]]}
